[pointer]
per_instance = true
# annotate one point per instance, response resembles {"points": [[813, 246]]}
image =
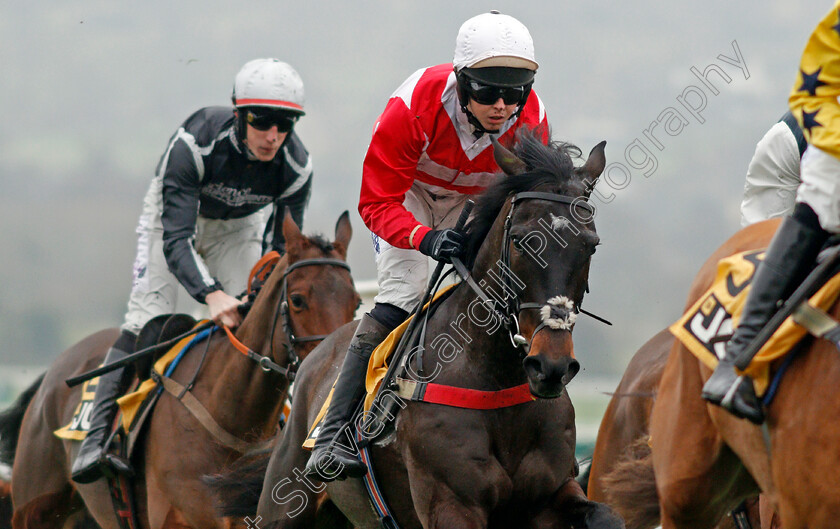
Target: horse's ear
{"points": [[343, 233], [506, 160], [291, 232], [595, 164]]}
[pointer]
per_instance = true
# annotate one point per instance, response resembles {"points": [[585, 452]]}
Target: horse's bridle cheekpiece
{"points": [[282, 311], [558, 313]]}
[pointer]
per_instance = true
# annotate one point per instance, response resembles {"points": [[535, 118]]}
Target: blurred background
{"points": [[93, 90]]}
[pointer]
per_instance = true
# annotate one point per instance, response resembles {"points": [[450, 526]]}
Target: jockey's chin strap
{"points": [[511, 307]]}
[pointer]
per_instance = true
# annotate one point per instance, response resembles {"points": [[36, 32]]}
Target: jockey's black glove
{"points": [[443, 245]]}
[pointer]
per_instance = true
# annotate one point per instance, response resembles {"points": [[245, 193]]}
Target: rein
{"points": [[282, 310], [183, 394], [509, 313]]}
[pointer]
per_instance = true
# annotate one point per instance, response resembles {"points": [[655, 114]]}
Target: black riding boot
{"points": [[92, 456], [329, 461], [789, 258]]}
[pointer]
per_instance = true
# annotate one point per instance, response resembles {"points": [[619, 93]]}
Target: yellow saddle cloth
{"points": [[717, 312], [377, 369], [129, 404]]}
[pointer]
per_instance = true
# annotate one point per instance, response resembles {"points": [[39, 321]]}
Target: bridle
{"points": [[282, 311], [508, 310]]}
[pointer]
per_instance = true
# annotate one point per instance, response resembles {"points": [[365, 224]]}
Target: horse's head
{"points": [[534, 261], [308, 295]]}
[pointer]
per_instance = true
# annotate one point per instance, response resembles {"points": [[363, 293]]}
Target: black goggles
{"points": [[263, 121], [488, 95]]}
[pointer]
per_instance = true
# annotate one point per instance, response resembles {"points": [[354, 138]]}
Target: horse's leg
{"points": [[768, 515], [698, 477], [446, 497], [439, 507]]}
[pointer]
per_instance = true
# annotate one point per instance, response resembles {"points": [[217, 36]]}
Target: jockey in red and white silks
{"points": [[425, 159], [430, 150]]}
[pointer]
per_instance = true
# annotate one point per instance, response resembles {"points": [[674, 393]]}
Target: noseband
{"points": [[511, 307]]}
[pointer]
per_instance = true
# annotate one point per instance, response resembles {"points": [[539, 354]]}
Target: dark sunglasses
{"points": [[265, 120], [488, 95]]}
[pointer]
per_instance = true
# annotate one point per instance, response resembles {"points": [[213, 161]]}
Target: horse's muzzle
{"points": [[548, 377]]}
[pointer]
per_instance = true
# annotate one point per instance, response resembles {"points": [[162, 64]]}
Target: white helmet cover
{"points": [[494, 39], [268, 83]]}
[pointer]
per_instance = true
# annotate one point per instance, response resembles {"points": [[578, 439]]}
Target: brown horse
{"points": [[704, 460], [242, 398], [445, 466], [625, 428], [627, 415]]}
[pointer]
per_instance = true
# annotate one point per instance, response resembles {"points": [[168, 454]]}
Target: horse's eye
{"points": [[298, 301]]}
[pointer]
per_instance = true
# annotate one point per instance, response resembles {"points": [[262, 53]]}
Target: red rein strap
{"points": [[263, 267], [465, 398], [234, 341], [265, 362]]}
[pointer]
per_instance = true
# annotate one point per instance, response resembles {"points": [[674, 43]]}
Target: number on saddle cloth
{"points": [[159, 329]]}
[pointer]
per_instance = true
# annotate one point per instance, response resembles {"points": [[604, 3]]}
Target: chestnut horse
{"points": [[315, 297], [445, 466], [704, 460], [625, 428], [627, 415]]}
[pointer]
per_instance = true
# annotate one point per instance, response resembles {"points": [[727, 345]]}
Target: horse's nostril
{"points": [[571, 370], [533, 367]]}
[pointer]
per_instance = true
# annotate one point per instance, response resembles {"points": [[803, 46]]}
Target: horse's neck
{"points": [[460, 324], [237, 392], [256, 327], [481, 357]]}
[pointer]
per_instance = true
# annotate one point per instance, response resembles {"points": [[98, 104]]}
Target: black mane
{"points": [[546, 164]]}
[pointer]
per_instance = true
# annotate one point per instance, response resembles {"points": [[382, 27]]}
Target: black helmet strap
{"points": [[464, 99]]}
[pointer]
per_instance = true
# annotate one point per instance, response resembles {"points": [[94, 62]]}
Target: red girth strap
{"points": [[462, 397]]}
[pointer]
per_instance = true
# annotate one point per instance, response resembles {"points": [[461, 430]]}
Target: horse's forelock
{"points": [[547, 164], [322, 243]]}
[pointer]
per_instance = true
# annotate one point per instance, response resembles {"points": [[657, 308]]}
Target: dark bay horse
{"points": [[446, 466], [704, 460], [311, 284], [625, 429]]}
